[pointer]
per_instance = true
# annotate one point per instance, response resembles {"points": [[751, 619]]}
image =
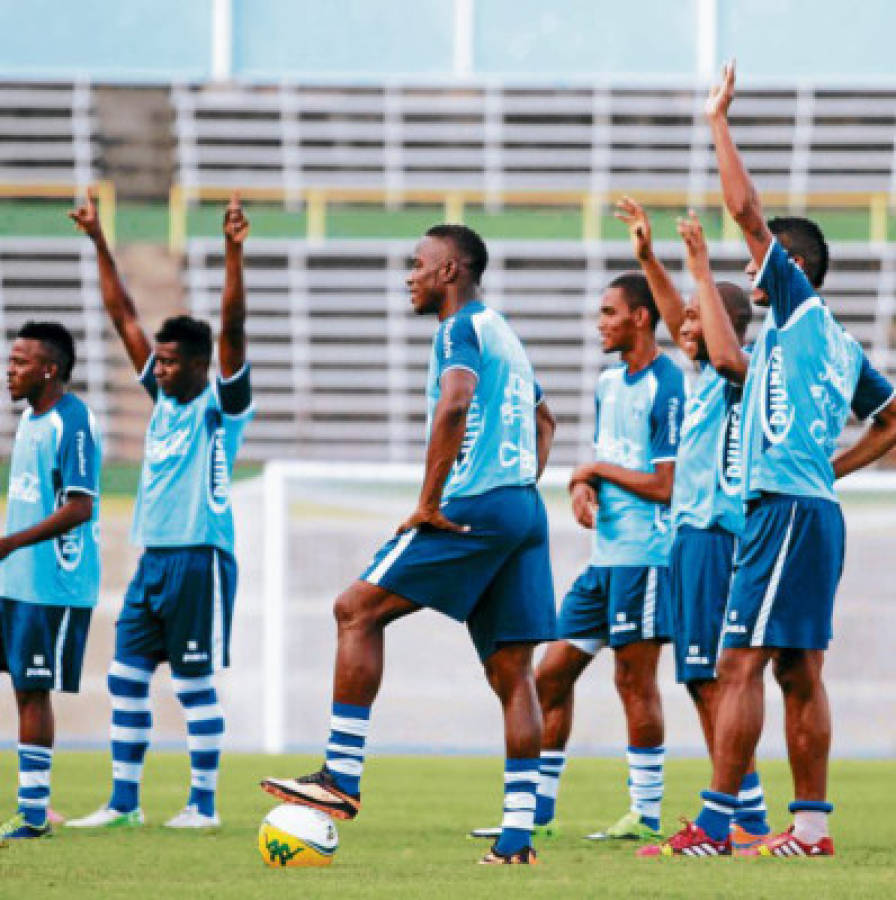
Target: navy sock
{"points": [[715, 817], [345, 749], [520, 783]]}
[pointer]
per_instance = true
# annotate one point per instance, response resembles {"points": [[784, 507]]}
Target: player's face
{"points": [[691, 333], [177, 374], [757, 295], [616, 323], [426, 280], [28, 369]]}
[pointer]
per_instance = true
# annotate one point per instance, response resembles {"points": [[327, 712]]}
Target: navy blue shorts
{"points": [[701, 567], [179, 607], [42, 647], [786, 572], [616, 605], [496, 578]]}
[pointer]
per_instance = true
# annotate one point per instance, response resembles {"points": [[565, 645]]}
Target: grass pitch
{"points": [[409, 840]]}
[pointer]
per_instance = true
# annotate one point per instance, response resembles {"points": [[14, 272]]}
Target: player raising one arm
{"points": [[178, 607], [707, 509]]}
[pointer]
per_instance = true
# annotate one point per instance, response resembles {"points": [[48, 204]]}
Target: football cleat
{"points": [[16, 829], [787, 845], [691, 840], [524, 857], [745, 843], [318, 791], [628, 828], [106, 817], [493, 833], [190, 817]]}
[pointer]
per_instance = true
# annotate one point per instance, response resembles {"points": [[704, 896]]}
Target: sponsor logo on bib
{"points": [[730, 461], [777, 410], [218, 476]]}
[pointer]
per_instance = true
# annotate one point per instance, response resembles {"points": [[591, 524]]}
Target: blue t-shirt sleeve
{"points": [[539, 394], [78, 453], [148, 379], [872, 393], [235, 393], [666, 417], [784, 282], [457, 346]]}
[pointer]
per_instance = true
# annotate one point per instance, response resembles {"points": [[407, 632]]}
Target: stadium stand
{"points": [[340, 361]]}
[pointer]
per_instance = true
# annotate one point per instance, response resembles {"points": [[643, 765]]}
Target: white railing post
{"points": [[397, 352], [276, 544]]}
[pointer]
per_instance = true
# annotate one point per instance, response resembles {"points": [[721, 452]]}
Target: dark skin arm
{"points": [[232, 342], [668, 300], [878, 438], [545, 426], [655, 486], [77, 509], [741, 196], [116, 299], [726, 355], [449, 423]]}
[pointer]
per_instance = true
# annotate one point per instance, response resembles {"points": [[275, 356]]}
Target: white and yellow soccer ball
{"points": [[297, 836]]}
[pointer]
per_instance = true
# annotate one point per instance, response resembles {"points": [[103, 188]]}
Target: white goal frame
{"points": [[276, 477]]}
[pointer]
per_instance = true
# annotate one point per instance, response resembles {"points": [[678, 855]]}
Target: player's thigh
{"points": [[638, 604], [582, 620]]}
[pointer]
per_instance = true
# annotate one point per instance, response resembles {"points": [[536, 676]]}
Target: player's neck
{"points": [[454, 302], [47, 399], [642, 353]]}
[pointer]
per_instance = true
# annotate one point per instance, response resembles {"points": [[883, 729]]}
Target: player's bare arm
{"points": [[741, 196], [545, 426], [726, 355], [878, 439], [232, 341], [583, 498], [668, 300], [77, 509], [655, 486], [116, 299], [449, 424]]}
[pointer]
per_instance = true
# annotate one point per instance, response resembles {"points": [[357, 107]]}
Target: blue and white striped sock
{"points": [[715, 817], [550, 768], [520, 784], [205, 731], [131, 728], [751, 813], [645, 783], [345, 749], [34, 782]]}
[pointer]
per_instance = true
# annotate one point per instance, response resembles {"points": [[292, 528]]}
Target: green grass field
{"points": [[409, 840]]}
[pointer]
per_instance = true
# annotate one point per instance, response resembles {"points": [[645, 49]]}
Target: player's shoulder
{"points": [[73, 413], [612, 376], [667, 373]]}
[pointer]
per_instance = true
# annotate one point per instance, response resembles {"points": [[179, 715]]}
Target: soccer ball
{"points": [[297, 836]]}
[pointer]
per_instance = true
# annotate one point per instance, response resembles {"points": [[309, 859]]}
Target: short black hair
{"points": [[802, 237], [193, 336], [737, 305], [57, 340], [468, 244], [637, 294]]}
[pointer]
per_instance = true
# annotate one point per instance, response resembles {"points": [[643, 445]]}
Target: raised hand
{"points": [[236, 225], [632, 214], [721, 95], [691, 232], [87, 218], [431, 518]]}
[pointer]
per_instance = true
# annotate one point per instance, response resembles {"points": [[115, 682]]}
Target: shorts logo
{"points": [[694, 657], [622, 625], [218, 476], [69, 547], [732, 627], [39, 668], [194, 654], [777, 410], [730, 464]]}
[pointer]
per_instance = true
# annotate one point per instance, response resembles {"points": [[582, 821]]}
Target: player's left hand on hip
{"points": [[431, 518]]}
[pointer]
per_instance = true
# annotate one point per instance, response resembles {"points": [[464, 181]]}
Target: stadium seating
{"points": [[340, 361]]}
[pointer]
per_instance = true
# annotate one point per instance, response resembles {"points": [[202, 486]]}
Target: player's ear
{"points": [[800, 261], [450, 271]]}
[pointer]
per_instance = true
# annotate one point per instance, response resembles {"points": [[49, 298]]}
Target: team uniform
{"points": [[623, 595], [49, 589], [707, 517], [805, 375], [500, 580]]}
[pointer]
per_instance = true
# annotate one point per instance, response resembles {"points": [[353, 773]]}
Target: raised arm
{"points": [[726, 355], [741, 196], [116, 299], [668, 300], [232, 341]]}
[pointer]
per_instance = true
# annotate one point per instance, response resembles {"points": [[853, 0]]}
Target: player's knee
{"points": [[736, 667], [797, 673]]}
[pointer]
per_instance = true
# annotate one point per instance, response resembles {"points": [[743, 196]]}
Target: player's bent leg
{"points": [[704, 693], [362, 612]]}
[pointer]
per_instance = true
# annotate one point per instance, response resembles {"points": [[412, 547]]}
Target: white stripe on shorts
{"points": [[60, 646], [772, 589], [217, 615], [648, 617], [389, 559]]}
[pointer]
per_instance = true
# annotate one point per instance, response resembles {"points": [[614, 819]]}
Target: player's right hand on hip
{"points": [[431, 518]]}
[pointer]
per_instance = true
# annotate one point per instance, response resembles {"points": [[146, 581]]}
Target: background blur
{"points": [[350, 127]]}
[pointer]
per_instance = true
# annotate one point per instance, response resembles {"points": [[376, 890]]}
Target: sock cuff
{"points": [[36, 750], [719, 799], [554, 756], [811, 806], [646, 756], [749, 781], [349, 711], [521, 765]]}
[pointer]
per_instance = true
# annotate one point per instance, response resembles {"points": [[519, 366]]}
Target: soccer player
{"points": [[707, 503], [49, 557], [179, 604], [475, 548], [622, 597], [802, 378]]}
